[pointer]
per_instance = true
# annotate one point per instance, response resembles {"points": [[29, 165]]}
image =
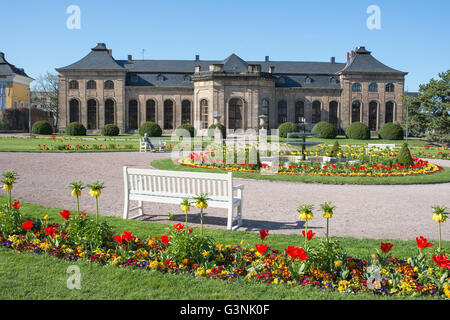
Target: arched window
{"points": [[333, 113], [109, 111], [204, 114], [299, 111], [235, 114], [132, 115], [265, 105], [109, 84], [73, 84], [356, 87], [373, 114], [316, 112], [356, 111], [282, 112], [389, 116], [91, 114], [373, 87], [150, 110], [21, 104], [390, 87], [185, 111], [91, 84], [74, 111], [168, 115]]}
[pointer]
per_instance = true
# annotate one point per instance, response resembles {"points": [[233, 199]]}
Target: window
{"points": [[356, 87], [185, 112], [74, 111], [21, 104], [91, 114], [265, 110], [133, 77], [299, 111], [204, 114], [373, 112], [356, 111], [168, 114], [316, 112], [282, 112], [109, 111], [150, 110], [2, 95], [373, 87], [390, 87], [132, 115], [235, 114], [109, 84], [160, 77], [187, 77], [73, 84], [389, 116], [91, 84], [333, 113], [15, 105]]}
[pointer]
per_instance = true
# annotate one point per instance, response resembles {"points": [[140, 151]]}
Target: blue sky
{"points": [[414, 35]]}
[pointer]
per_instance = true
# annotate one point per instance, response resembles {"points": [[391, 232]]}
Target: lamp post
{"points": [[29, 110], [406, 129]]}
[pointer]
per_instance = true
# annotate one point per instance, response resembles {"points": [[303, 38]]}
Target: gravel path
{"points": [[363, 211]]}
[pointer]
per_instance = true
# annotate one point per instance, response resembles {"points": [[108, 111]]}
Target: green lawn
{"points": [[438, 177], [30, 276]]}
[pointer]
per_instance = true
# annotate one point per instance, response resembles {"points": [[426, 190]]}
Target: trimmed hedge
{"points": [[151, 128], [325, 129], [404, 156], [76, 129], [42, 127], [221, 128], [4, 125], [358, 131], [285, 128], [189, 127], [110, 130], [391, 131]]}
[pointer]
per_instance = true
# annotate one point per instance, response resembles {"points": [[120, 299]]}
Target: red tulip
{"points": [[27, 225], [309, 235], [50, 231], [386, 247], [301, 254], [127, 236], [295, 252], [16, 205], [442, 261], [65, 214], [165, 239], [190, 230], [118, 239], [262, 248], [179, 226], [263, 234], [422, 243]]}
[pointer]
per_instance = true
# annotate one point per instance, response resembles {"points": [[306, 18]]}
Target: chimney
{"points": [[271, 69], [332, 60], [130, 58], [110, 52], [353, 54], [197, 57], [267, 58], [197, 69], [348, 56]]}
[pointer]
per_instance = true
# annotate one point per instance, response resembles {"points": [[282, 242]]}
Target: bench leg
{"points": [[230, 218], [141, 208], [126, 206]]}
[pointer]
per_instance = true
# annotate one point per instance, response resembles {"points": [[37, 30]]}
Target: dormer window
{"points": [[133, 77], [356, 87], [308, 79], [334, 80], [187, 77], [91, 84], [73, 84], [390, 87], [160, 77], [373, 87]]}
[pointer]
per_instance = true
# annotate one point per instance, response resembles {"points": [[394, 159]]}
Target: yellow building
{"points": [[14, 85]]}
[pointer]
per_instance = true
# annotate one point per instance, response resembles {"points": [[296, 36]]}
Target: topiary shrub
{"points": [[151, 128], [326, 130], [335, 149], [221, 127], [4, 125], [285, 128], [358, 131], [189, 127], [404, 156], [110, 130], [76, 129], [391, 131], [42, 127]]}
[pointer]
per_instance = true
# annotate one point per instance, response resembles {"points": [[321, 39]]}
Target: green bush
{"points": [[326, 130], [42, 127], [110, 130], [76, 129], [404, 156], [335, 149], [286, 128], [151, 128], [188, 127], [358, 131], [4, 125], [222, 129], [391, 131]]}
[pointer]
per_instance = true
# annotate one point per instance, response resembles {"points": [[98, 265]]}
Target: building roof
{"points": [[98, 59], [8, 69], [364, 62]]}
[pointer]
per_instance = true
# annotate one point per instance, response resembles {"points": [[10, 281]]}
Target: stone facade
{"points": [[99, 89]]}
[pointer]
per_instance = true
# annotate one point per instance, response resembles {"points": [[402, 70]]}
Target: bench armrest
{"points": [[239, 186]]}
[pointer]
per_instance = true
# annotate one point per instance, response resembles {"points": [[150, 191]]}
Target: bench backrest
{"points": [[219, 186], [155, 142]]}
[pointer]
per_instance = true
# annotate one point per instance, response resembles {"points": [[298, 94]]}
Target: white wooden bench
{"points": [[173, 186], [380, 146], [157, 144]]}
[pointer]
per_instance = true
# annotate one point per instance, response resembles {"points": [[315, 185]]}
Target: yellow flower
{"points": [[447, 290], [327, 215], [46, 217], [76, 193], [439, 217], [338, 263], [185, 208], [205, 254], [242, 242], [7, 187], [201, 205], [95, 193]]}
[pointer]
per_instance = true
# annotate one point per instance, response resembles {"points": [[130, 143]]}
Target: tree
{"points": [[45, 94], [429, 112]]}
